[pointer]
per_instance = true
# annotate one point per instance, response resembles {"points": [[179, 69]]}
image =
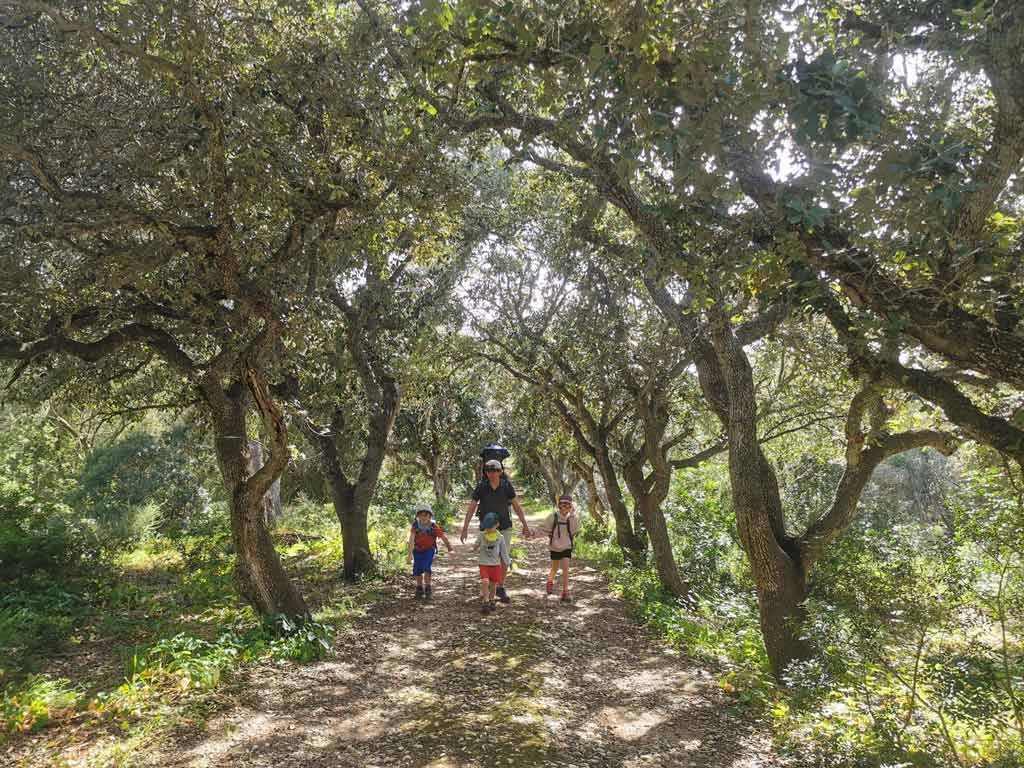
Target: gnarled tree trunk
{"points": [[774, 556], [633, 546], [259, 574], [438, 473], [272, 508], [560, 476], [595, 505]]}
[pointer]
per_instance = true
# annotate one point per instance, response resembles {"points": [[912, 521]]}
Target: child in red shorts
{"points": [[493, 552]]}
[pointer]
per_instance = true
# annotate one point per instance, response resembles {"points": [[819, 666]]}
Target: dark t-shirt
{"points": [[497, 500]]}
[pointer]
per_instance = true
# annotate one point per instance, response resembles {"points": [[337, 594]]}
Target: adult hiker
{"points": [[495, 494]]}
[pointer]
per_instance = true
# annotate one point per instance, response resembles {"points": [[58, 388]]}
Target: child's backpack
{"points": [[554, 529], [426, 538]]}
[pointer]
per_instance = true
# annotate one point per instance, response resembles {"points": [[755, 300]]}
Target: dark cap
{"points": [[565, 497]]}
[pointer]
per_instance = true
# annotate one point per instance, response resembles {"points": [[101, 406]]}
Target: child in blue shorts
{"points": [[423, 538]]}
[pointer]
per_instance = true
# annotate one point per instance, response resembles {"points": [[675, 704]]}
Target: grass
{"points": [[128, 661]]}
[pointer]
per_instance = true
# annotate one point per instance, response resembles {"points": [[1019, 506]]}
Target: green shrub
{"points": [[144, 485], [304, 641], [34, 704], [35, 536], [36, 616]]}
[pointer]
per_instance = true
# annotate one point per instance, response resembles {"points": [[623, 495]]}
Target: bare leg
{"points": [[565, 574]]}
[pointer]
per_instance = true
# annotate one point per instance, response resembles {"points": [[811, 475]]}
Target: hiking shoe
{"points": [[566, 597], [502, 595], [427, 591], [550, 587], [419, 591]]}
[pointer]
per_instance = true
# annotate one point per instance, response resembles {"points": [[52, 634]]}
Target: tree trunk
{"points": [[259, 574], [437, 473], [661, 545], [781, 599], [272, 508], [352, 510], [774, 556], [594, 503], [442, 482], [633, 547], [648, 493]]}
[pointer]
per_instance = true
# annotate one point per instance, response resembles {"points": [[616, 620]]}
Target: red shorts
{"points": [[491, 573]]}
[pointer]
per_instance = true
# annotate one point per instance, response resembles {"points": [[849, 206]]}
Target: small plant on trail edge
{"points": [[37, 702], [294, 640]]}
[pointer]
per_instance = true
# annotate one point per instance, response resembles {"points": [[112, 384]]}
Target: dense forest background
{"points": [[745, 277]]}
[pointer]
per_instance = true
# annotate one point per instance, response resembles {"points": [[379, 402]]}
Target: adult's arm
{"points": [[522, 516]]}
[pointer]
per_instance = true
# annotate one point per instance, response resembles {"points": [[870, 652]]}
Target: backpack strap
{"points": [[556, 523]]}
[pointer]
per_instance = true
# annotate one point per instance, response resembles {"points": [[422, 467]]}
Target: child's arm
{"points": [[503, 552], [440, 534], [412, 543]]}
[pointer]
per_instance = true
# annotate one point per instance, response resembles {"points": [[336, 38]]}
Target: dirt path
{"points": [[437, 685]]}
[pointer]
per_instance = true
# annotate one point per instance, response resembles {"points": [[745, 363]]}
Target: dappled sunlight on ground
{"points": [[418, 684]]}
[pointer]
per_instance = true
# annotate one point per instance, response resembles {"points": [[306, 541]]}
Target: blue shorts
{"points": [[421, 561]]}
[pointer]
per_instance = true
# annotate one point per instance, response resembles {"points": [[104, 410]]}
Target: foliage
{"points": [[35, 704], [143, 485], [38, 532]]}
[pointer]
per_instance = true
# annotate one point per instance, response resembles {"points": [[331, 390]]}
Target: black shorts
{"points": [[565, 553]]}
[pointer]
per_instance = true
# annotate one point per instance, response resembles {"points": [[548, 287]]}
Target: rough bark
{"points": [[774, 561], [648, 494], [595, 504], [259, 574], [632, 545], [272, 507], [351, 500]]}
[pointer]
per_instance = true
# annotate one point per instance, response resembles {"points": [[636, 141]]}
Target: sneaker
{"points": [[427, 591], [485, 608], [566, 597], [491, 607], [419, 591], [550, 587], [502, 595]]}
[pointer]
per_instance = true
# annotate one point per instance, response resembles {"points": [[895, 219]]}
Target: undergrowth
{"points": [[864, 702], [170, 607]]}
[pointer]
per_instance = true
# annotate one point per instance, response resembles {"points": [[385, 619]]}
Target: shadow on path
{"points": [[435, 684]]}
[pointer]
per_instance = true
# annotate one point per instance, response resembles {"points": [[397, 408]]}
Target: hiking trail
{"points": [[434, 684]]}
